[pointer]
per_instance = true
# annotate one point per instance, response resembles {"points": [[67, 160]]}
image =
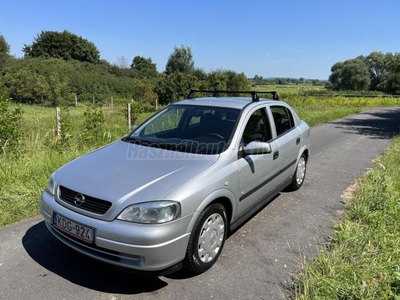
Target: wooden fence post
{"points": [[76, 100], [129, 116], [58, 123], [112, 102], [156, 104]]}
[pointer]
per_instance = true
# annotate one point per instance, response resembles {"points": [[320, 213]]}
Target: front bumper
{"points": [[142, 247]]}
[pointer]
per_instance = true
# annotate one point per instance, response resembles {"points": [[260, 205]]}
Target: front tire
{"points": [[299, 174], [207, 239]]}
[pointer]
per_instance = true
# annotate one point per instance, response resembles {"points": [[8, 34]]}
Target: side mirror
{"points": [[134, 127], [256, 148]]}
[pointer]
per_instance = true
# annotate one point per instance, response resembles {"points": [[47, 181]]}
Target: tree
{"points": [[200, 74], [39, 81], [144, 67], [57, 90], [227, 80], [84, 80], [217, 80], [64, 45], [257, 78], [121, 63], [280, 81], [315, 82], [181, 60], [393, 79], [379, 66], [351, 74], [175, 87], [120, 68], [4, 46], [143, 92], [4, 51], [236, 81], [27, 87], [393, 84]]}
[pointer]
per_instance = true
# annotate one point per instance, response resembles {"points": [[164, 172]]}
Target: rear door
{"points": [[289, 139]]}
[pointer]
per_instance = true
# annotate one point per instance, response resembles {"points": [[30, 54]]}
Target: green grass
{"points": [[285, 90], [363, 260], [23, 179], [316, 110]]}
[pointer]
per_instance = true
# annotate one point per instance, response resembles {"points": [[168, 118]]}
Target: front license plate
{"points": [[77, 230]]}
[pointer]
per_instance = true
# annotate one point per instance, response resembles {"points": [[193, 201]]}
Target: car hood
{"points": [[131, 173]]}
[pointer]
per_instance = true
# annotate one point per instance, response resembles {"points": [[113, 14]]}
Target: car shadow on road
{"points": [[382, 124], [51, 254]]}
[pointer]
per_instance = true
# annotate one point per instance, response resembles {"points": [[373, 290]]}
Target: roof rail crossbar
{"points": [[216, 93]]}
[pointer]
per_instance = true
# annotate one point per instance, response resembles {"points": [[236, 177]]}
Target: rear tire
{"points": [[299, 174], [207, 239]]}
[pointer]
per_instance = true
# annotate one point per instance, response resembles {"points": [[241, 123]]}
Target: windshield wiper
{"points": [[170, 146], [160, 145], [130, 139]]}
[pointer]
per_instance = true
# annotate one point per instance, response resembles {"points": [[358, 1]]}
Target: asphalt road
{"points": [[259, 258]]}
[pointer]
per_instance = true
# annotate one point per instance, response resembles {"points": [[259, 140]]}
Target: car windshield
{"points": [[188, 128]]}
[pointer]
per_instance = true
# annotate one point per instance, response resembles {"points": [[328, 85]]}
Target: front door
{"points": [[257, 173]]}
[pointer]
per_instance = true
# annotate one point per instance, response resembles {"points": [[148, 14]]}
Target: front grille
{"points": [[91, 204]]}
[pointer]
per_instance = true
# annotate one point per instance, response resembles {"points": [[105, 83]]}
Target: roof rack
{"points": [[254, 94]]}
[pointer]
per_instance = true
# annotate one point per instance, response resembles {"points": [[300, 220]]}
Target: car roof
{"points": [[228, 102]]}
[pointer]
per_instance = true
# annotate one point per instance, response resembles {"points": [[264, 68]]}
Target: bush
{"points": [[95, 132], [25, 86], [64, 141], [137, 108], [10, 127]]}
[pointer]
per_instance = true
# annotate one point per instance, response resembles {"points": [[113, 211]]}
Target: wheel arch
{"points": [[306, 153], [224, 197]]}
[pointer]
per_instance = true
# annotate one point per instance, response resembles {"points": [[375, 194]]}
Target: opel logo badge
{"points": [[79, 200]]}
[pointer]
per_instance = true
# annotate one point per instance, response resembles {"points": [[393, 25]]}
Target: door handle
{"points": [[275, 155], [297, 141]]}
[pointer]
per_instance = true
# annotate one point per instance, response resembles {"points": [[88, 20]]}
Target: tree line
{"points": [[58, 66], [375, 72], [259, 80]]}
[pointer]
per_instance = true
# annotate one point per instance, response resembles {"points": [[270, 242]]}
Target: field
{"points": [[286, 90]]}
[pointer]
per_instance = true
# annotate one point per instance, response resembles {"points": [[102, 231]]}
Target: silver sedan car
{"points": [[166, 195]]}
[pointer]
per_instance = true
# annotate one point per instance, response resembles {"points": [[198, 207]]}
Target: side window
{"points": [[283, 119], [195, 120], [257, 128], [168, 121]]}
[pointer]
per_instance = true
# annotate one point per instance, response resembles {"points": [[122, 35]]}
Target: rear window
{"points": [[283, 119]]}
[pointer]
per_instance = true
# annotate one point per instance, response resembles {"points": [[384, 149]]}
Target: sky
{"points": [[286, 38]]}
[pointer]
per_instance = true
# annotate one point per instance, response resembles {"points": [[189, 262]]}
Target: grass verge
{"points": [[363, 259], [23, 178]]}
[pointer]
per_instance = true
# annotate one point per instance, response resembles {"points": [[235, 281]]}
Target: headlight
{"points": [[50, 186], [151, 212]]}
